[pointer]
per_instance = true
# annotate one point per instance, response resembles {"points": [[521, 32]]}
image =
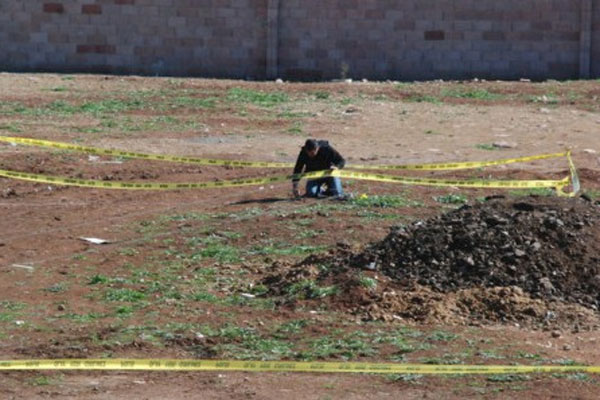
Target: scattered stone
{"points": [[61, 307], [556, 334], [9, 192], [279, 80], [505, 145]]}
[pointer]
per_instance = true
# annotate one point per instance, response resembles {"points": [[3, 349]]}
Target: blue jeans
{"points": [[314, 187]]}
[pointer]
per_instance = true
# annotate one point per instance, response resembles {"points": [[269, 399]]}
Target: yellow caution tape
{"points": [[283, 366], [144, 156], [574, 178], [261, 164], [458, 165], [470, 183]]}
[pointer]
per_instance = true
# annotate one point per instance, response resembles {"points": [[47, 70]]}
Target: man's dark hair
{"points": [[311, 144]]}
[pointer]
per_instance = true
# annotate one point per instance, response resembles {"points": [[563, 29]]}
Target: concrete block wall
{"points": [[595, 38], [428, 39], [212, 38], [305, 39]]}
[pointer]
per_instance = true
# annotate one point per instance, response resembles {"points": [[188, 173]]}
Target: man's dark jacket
{"points": [[326, 157]]}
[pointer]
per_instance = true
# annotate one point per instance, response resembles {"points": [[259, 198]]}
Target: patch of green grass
{"points": [[205, 297], [11, 127], [384, 201], [193, 102], [12, 305], [592, 194], [258, 98], [532, 192], [420, 98], [290, 328], [83, 318], [451, 199], [220, 252], [321, 95], [490, 354], [477, 94], [347, 347], [446, 359], [346, 101], [124, 294], [442, 336]]}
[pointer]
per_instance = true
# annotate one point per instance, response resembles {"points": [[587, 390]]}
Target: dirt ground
{"points": [[181, 276]]}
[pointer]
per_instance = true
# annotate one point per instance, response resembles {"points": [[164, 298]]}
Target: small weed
{"points": [[451, 199], [508, 378], [291, 327], [308, 289], [41, 380], [296, 128], [128, 251], [486, 146], [96, 279], [367, 282], [57, 288], [579, 376], [408, 378]]}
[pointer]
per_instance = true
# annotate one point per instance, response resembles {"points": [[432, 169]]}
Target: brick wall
{"points": [[174, 37], [305, 39]]}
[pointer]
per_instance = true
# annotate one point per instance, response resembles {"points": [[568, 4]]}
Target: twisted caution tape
{"points": [[261, 164], [283, 366], [469, 183]]}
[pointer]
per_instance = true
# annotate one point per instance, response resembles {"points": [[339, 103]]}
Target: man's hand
{"points": [[333, 167]]}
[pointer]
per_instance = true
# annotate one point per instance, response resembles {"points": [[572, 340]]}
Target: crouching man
{"points": [[318, 155]]}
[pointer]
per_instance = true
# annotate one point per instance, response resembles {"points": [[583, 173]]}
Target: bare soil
{"points": [[174, 280]]}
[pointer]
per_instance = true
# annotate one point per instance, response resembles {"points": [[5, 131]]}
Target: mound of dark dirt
{"points": [[534, 260], [549, 247]]}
